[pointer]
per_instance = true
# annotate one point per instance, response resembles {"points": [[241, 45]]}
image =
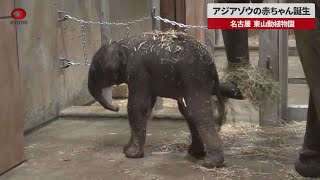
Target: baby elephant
{"points": [[167, 64]]}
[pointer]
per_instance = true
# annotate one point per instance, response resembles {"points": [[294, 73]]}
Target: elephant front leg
{"points": [[308, 163], [139, 110], [236, 41]]}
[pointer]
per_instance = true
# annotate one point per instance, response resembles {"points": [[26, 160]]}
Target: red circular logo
{"points": [[18, 14]]}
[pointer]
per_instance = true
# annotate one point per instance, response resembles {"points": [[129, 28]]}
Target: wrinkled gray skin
{"points": [[180, 72]]}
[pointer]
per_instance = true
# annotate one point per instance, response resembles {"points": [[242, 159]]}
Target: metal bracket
{"points": [[65, 62], [297, 81], [61, 16], [269, 67]]}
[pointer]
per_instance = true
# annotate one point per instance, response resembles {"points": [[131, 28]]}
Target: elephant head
{"points": [[108, 68]]}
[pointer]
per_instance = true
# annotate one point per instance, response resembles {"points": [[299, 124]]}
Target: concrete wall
{"points": [[46, 87], [128, 10]]}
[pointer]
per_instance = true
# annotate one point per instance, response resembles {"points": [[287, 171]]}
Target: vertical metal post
{"points": [[283, 71], [218, 38], [155, 4], [105, 32], [159, 103], [153, 14], [269, 56], [209, 33]]}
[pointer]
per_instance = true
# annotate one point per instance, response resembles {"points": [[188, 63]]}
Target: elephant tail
{"points": [[221, 104]]}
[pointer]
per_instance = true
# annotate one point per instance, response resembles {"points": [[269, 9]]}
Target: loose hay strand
{"points": [[218, 173], [166, 41]]}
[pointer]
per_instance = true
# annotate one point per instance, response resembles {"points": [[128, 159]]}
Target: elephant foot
{"points": [[308, 164], [133, 151], [197, 151], [213, 161]]}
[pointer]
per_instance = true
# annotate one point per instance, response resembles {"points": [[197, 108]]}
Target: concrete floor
{"points": [[83, 148]]}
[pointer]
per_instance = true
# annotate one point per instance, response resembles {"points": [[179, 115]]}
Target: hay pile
{"points": [[256, 84], [165, 40]]}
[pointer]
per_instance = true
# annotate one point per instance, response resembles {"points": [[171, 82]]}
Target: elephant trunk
{"points": [[96, 92]]}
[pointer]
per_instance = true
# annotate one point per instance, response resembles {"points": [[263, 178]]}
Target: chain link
{"points": [[86, 62]]}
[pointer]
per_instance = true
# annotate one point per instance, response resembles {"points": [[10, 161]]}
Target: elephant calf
{"points": [[171, 65]]}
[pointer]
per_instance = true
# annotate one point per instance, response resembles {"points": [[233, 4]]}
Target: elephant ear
{"points": [[123, 55], [115, 61], [117, 52]]}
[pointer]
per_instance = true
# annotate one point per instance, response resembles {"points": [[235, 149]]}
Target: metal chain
{"points": [[135, 21], [86, 62], [105, 23], [179, 24], [65, 16]]}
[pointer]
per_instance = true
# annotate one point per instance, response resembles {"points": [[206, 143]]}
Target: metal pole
{"points": [[155, 4], [159, 103], [105, 32], [283, 71], [219, 38], [269, 58], [209, 33]]}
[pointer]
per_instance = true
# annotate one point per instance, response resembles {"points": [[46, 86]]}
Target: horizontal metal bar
{"points": [[297, 81], [253, 47], [297, 112], [292, 50]]}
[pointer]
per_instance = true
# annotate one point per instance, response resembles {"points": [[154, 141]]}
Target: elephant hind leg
{"points": [[196, 149], [199, 109]]}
